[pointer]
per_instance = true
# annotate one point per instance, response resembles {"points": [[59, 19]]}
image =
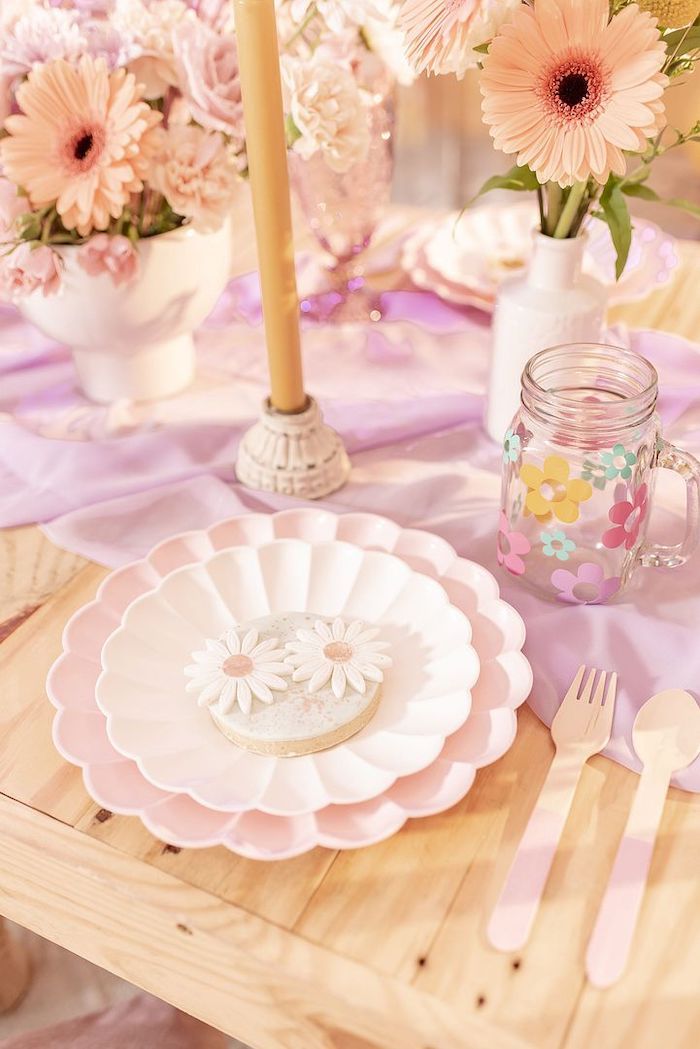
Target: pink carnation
{"points": [[30, 268], [115, 256], [208, 67]]}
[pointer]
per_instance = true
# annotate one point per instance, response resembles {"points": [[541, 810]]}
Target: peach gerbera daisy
{"points": [[441, 34], [79, 141], [568, 89]]}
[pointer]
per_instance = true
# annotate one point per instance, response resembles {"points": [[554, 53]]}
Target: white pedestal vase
{"points": [[135, 341], [552, 305]]}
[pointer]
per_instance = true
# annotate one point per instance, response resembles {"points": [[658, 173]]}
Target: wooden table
{"points": [[383, 947]]}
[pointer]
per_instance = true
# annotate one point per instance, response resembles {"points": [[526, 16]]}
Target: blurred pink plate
{"points": [[117, 784], [152, 719], [465, 260]]}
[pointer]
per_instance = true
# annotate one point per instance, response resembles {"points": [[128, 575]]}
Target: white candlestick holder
{"points": [[293, 454]]}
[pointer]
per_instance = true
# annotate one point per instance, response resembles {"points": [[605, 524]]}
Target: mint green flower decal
{"points": [[594, 473], [618, 463], [555, 544], [511, 447]]}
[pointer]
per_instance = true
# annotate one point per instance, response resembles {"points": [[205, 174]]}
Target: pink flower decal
{"points": [[115, 256], [511, 547], [588, 586], [627, 516]]}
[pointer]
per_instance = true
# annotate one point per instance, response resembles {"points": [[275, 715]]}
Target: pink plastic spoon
{"points": [[666, 736]]}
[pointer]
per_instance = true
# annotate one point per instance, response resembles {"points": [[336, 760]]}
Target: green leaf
{"points": [[293, 132], [685, 205], [682, 42], [518, 179], [637, 189], [640, 174], [617, 216]]}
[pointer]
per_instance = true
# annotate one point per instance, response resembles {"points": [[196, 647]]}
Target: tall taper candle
{"points": [[258, 56]]}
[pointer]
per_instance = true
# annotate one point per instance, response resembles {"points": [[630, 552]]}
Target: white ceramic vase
{"points": [[553, 304], [135, 341]]}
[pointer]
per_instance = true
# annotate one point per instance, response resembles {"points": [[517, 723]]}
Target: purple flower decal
{"points": [[588, 586]]}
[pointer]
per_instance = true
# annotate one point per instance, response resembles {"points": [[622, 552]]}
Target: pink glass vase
{"points": [[343, 211]]}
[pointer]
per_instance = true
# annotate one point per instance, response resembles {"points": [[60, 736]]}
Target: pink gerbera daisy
{"points": [[568, 89], [79, 141], [441, 34]]}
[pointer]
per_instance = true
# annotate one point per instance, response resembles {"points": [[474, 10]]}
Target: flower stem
{"points": [[570, 210], [554, 199], [540, 203]]}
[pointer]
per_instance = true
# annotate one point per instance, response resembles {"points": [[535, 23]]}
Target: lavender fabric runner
{"points": [[407, 395]]}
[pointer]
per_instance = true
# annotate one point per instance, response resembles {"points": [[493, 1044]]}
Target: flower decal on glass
{"points": [[594, 473], [627, 517], [231, 670], [552, 492], [555, 544], [343, 655], [511, 447], [588, 586], [618, 463], [511, 547]]}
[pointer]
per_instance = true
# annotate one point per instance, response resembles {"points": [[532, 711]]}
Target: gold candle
{"points": [[261, 87]]}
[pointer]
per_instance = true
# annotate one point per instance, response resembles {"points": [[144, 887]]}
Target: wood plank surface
{"points": [[381, 947], [218, 962]]}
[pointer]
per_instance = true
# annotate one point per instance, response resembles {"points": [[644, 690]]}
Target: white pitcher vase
{"points": [[554, 303]]}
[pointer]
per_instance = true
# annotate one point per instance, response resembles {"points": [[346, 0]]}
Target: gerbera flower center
{"points": [[338, 651], [238, 666], [84, 148], [574, 89]]}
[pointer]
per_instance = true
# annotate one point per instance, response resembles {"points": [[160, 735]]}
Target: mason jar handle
{"points": [[653, 555]]}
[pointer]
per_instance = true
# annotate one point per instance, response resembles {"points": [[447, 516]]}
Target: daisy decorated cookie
{"points": [[291, 683]]}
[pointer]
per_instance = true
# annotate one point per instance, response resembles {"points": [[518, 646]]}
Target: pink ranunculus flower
{"points": [[209, 77], [627, 516], [30, 268], [12, 205], [587, 586], [115, 256], [511, 547]]}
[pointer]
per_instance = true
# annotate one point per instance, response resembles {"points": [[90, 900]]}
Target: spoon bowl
{"points": [[667, 730]]}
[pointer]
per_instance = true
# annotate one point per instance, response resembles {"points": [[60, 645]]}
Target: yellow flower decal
{"points": [[551, 492]]}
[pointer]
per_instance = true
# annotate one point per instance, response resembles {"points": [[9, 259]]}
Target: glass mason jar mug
{"points": [[579, 465]]}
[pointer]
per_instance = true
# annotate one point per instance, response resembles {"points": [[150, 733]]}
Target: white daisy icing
{"points": [[230, 670], [344, 655]]}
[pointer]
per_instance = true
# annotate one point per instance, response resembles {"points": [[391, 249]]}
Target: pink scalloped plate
{"points": [[464, 259], [80, 732]]}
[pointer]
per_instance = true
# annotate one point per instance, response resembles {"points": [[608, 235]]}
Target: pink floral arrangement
{"points": [[123, 119], [332, 53], [573, 89]]}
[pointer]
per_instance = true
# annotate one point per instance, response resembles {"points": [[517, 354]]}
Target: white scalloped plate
{"points": [[117, 784], [464, 260], [152, 719]]}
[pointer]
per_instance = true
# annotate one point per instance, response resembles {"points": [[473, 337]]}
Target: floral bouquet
{"points": [[333, 52], [122, 119], [574, 90]]}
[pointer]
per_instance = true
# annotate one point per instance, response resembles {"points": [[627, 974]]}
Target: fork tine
{"points": [[585, 696], [600, 689], [572, 693], [612, 692]]}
